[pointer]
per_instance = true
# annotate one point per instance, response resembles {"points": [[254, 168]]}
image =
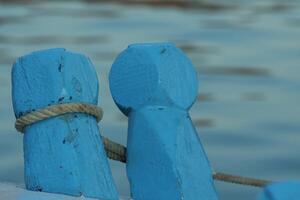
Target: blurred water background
{"points": [[247, 54]]}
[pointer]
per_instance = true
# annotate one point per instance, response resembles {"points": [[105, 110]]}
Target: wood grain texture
{"points": [[155, 85], [62, 154], [281, 191]]}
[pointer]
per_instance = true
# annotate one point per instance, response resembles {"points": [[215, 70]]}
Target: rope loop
{"points": [[56, 110]]}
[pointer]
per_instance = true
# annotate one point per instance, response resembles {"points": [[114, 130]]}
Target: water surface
{"points": [[247, 55]]}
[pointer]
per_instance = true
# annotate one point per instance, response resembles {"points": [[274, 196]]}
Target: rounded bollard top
{"points": [[153, 74], [53, 76]]}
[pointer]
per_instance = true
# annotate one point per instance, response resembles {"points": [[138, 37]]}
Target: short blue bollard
{"points": [[63, 154], [281, 191], [155, 85]]}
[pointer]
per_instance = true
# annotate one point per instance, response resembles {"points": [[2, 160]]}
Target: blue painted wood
{"points": [[62, 154], [281, 191], [155, 85]]}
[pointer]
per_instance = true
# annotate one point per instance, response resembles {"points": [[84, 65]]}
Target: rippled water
{"points": [[247, 56]]}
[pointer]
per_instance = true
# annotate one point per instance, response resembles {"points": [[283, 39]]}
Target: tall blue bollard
{"points": [[281, 191], [63, 154], [155, 85]]}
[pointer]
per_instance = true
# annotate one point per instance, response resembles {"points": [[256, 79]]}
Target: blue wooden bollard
{"points": [[281, 191], [155, 85], [63, 154]]}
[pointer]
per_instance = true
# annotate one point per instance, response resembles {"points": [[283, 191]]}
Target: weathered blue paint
{"points": [[281, 191], [155, 85], [62, 154]]}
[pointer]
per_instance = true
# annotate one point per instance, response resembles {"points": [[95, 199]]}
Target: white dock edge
{"points": [[9, 191]]}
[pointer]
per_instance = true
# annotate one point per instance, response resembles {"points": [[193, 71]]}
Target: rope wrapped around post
{"points": [[62, 147], [114, 150]]}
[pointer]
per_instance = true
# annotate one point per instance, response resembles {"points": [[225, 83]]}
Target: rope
{"points": [[240, 180], [114, 150], [56, 110]]}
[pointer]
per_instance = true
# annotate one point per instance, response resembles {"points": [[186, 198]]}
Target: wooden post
{"points": [[281, 191], [63, 154], [155, 85]]}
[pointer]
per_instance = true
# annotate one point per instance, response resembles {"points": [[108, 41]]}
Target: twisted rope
{"points": [[56, 110], [240, 179], [113, 150]]}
